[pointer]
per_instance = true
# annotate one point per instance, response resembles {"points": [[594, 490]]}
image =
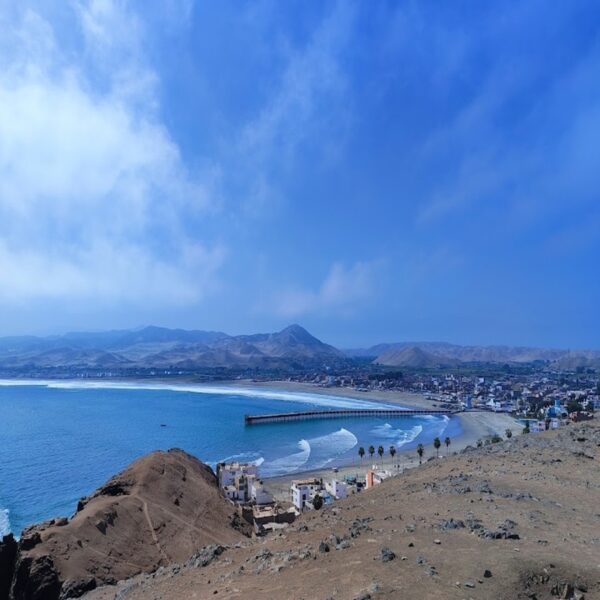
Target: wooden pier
{"points": [[342, 413]]}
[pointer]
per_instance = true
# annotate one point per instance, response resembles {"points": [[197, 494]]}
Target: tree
{"points": [[371, 451], [361, 452], [526, 428], [447, 442], [420, 451], [508, 433], [380, 451], [573, 406], [392, 452], [479, 443], [496, 438], [317, 502], [436, 444]]}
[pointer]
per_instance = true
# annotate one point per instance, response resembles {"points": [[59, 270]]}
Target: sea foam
{"points": [[399, 436], [4, 522], [315, 399], [290, 463], [327, 448]]}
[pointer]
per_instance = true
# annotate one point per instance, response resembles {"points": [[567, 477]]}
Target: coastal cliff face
{"points": [[160, 510]]}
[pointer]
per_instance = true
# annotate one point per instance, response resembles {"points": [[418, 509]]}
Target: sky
{"points": [[375, 171]]}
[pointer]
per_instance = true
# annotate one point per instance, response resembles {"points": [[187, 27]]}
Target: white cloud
{"points": [[343, 290], [94, 195]]}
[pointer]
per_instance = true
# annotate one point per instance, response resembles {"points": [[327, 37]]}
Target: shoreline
{"points": [[473, 425]]}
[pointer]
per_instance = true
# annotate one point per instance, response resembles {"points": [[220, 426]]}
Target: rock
{"points": [[487, 573], [323, 547], [387, 555], [125, 528], [8, 557], [438, 542], [469, 584], [452, 524]]}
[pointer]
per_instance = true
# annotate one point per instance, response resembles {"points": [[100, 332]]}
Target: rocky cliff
{"points": [[160, 510]]}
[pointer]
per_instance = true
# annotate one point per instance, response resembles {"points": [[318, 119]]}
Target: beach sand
{"points": [[475, 425]]}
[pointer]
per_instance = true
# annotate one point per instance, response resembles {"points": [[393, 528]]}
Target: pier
{"points": [[341, 413]]}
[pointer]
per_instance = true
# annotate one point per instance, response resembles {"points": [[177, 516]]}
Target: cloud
{"points": [[308, 107], [343, 290], [95, 200]]}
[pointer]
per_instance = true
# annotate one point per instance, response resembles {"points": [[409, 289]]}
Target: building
{"points": [[227, 472], [237, 480], [375, 477], [302, 490], [338, 489], [258, 494]]}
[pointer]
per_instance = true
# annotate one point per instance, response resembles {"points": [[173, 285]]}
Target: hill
{"points": [[158, 347], [160, 510], [414, 357], [515, 520]]}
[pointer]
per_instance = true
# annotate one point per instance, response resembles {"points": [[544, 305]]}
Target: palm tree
{"points": [[380, 452], [420, 451], [447, 442], [371, 451], [508, 433], [361, 453], [392, 452], [436, 444]]}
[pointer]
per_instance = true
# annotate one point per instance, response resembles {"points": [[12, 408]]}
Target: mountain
{"points": [[450, 353], [163, 508], [159, 347], [413, 357]]}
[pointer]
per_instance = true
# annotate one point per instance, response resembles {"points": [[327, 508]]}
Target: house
{"points": [[375, 477], [258, 494], [302, 490], [338, 489], [237, 481], [269, 518]]}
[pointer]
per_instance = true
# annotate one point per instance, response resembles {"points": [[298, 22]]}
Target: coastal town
{"points": [[535, 401]]}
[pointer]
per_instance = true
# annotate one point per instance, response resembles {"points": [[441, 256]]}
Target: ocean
{"points": [[60, 440]]}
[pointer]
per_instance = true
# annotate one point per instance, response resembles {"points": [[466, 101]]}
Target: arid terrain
{"points": [[514, 520]]}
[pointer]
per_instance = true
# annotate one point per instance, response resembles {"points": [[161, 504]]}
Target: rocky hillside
{"points": [[518, 520], [415, 358], [161, 348], [160, 510]]}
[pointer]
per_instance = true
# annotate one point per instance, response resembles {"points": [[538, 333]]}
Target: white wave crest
{"points": [[314, 399], [245, 457], [291, 462], [327, 448], [4, 522], [398, 435]]}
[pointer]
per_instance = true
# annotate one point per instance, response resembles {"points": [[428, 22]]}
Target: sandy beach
{"points": [[475, 425]]}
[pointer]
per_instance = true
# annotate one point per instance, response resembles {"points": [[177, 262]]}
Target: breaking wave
{"points": [[245, 457], [327, 448], [398, 435], [290, 463], [315, 399], [4, 522]]}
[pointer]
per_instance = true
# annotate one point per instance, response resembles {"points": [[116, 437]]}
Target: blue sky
{"points": [[375, 171]]}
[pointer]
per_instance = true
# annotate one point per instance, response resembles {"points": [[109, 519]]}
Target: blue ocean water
{"points": [[61, 440]]}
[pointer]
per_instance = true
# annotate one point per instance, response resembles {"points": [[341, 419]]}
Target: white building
{"points": [[302, 490], [337, 488], [236, 480], [227, 472], [258, 493]]}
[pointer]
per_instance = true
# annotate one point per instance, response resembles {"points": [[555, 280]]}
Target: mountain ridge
{"points": [[293, 347]]}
